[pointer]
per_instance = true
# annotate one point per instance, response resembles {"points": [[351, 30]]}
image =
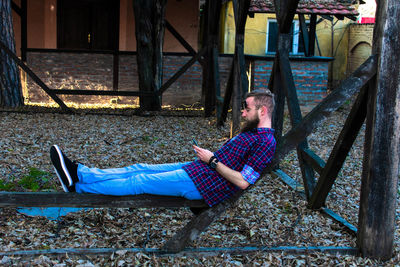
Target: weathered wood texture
{"points": [[285, 11], [227, 98], [197, 225], [381, 151], [149, 21], [275, 84], [347, 89], [340, 151], [24, 29], [314, 160], [42, 199], [211, 82], [10, 82], [294, 110], [333, 101], [240, 81], [189, 252]]}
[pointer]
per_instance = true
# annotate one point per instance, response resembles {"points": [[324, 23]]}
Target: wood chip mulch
{"points": [[270, 214]]}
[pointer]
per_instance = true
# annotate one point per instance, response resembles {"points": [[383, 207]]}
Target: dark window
{"points": [[87, 24], [296, 44]]}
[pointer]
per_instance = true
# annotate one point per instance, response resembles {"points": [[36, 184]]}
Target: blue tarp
{"points": [[49, 213]]}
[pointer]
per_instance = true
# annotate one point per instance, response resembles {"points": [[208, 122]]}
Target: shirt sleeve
{"points": [[259, 158]]}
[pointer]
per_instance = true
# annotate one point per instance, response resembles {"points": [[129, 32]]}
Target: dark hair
{"points": [[263, 97]]}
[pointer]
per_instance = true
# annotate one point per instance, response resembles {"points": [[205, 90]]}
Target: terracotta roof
{"points": [[320, 7]]}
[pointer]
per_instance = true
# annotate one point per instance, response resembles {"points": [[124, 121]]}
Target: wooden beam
{"points": [[324, 109], [58, 199], [24, 29], [304, 34], [240, 81], [277, 88], [294, 186], [227, 98], [189, 252], [35, 78], [294, 109], [181, 40], [340, 151], [101, 92], [314, 160], [379, 187], [116, 48], [285, 10], [181, 71], [16, 8], [312, 35], [197, 225], [211, 71]]}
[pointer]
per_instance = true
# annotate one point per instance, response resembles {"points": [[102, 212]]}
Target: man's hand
{"points": [[203, 154], [233, 176]]}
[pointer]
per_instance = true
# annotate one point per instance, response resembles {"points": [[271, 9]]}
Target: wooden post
{"points": [[211, 75], [149, 21], [305, 38], [311, 35], [340, 151], [275, 85], [381, 150], [24, 29], [240, 81], [116, 51]]}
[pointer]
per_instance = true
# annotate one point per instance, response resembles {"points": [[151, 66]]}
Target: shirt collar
{"points": [[264, 130]]}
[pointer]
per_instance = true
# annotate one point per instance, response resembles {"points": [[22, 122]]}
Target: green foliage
{"points": [[6, 186], [36, 180]]}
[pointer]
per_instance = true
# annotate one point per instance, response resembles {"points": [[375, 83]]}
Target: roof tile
{"points": [[320, 7]]}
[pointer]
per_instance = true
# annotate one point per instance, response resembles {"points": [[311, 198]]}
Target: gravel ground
{"points": [[270, 214]]}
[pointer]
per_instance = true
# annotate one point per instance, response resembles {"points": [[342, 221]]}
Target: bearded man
{"points": [[214, 177]]}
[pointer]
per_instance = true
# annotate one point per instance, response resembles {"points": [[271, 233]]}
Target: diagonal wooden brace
{"points": [[35, 78], [312, 120]]}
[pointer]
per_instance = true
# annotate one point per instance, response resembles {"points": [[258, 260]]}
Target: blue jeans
{"points": [[157, 179]]}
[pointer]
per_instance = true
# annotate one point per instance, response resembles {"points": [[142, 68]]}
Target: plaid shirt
{"points": [[248, 153]]}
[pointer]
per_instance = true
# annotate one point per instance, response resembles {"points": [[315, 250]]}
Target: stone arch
{"points": [[358, 54]]}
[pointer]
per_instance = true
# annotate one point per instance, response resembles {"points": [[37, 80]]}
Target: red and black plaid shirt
{"points": [[248, 153]]}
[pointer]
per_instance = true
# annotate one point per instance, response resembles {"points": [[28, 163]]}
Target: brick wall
{"points": [[310, 77], [94, 72]]}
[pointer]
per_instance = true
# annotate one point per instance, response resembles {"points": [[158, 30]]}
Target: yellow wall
{"points": [[256, 32]]}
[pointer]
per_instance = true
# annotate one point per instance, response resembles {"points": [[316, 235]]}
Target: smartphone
{"points": [[194, 142]]}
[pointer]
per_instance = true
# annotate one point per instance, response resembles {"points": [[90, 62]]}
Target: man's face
{"points": [[250, 115]]}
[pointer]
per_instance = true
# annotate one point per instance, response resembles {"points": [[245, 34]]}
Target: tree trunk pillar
{"points": [[149, 21], [381, 149], [10, 81]]}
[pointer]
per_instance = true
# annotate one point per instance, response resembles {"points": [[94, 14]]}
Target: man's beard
{"points": [[250, 125]]}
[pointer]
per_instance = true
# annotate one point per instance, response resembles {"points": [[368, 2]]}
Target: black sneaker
{"points": [[66, 170]]}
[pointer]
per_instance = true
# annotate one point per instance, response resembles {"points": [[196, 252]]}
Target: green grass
{"points": [[6, 186], [36, 180]]}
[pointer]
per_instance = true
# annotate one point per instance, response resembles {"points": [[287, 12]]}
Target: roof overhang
{"points": [[339, 9]]}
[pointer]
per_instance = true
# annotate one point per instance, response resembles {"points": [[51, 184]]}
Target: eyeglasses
{"points": [[244, 104]]}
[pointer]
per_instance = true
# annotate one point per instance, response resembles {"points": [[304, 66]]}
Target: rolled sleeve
{"points": [[249, 174]]}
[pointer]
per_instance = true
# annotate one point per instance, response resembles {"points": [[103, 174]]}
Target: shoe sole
{"points": [[65, 188], [64, 169]]}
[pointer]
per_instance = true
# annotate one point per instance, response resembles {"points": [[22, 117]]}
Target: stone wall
{"points": [[94, 72]]}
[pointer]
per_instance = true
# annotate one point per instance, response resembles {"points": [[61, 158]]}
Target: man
{"points": [[214, 177]]}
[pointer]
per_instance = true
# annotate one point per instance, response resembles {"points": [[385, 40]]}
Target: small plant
{"points": [[36, 180], [6, 186]]}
